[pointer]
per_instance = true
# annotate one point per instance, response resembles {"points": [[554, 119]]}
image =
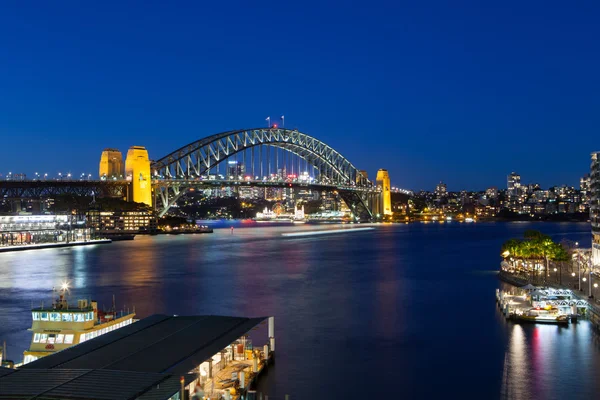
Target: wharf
{"points": [[53, 245], [230, 377], [587, 308]]}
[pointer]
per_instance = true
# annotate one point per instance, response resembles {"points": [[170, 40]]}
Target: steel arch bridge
{"points": [[187, 167]]}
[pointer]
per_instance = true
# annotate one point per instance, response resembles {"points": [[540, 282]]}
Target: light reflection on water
{"points": [[409, 307]]}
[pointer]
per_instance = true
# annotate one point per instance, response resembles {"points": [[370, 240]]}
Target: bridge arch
{"points": [[175, 172], [196, 158]]}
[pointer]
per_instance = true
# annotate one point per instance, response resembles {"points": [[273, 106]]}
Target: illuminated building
{"points": [[514, 184], [35, 229], [441, 190], [137, 170], [383, 182], [121, 220], [111, 164], [234, 169], [595, 207]]}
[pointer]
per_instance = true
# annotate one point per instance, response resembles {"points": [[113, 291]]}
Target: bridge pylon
{"points": [[137, 171], [383, 202]]}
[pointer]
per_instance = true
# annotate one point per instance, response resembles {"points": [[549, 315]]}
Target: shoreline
{"points": [[52, 245]]}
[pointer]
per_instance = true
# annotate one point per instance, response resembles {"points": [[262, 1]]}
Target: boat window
{"points": [[43, 337], [54, 316], [35, 316], [103, 331], [68, 339], [89, 316], [59, 338], [67, 317], [82, 338], [51, 338], [36, 338], [44, 316], [78, 317]]}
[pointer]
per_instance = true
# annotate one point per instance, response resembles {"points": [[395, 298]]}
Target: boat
{"points": [[272, 216], [60, 326], [542, 316]]}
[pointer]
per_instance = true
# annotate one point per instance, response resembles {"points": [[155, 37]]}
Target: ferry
{"points": [[61, 326], [541, 316]]}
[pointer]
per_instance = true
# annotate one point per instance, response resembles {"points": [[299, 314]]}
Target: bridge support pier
{"points": [[357, 204]]}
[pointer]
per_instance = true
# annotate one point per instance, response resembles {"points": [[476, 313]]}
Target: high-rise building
{"points": [[234, 169], [584, 184], [111, 164], [441, 190], [595, 207], [514, 184], [383, 182]]}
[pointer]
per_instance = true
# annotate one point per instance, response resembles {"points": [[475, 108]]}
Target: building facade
{"points": [[595, 207], [130, 221]]}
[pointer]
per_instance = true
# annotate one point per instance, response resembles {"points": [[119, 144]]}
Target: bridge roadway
{"points": [[358, 197]]}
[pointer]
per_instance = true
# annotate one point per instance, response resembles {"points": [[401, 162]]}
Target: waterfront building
{"points": [[111, 165], [131, 221], [154, 358], [595, 207], [16, 230]]}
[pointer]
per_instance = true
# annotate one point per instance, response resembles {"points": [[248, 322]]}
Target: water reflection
{"points": [[403, 306], [550, 362]]}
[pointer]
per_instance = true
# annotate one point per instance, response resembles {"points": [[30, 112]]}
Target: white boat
{"points": [[60, 325]]}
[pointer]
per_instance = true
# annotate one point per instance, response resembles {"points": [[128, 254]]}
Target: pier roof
{"points": [[50, 384], [157, 344]]}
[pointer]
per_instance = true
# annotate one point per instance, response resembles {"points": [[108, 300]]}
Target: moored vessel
{"points": [[61, 326]]}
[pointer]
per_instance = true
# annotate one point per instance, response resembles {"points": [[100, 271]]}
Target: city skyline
{"points": [[460, 95]]}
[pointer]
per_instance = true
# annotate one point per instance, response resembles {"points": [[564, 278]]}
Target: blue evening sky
{"points": [[463, 92]]}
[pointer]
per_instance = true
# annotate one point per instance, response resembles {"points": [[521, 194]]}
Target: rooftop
{"points": [[157, 344], [86, 384]]}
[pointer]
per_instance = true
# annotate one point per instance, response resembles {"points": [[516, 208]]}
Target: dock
{"points": [[160, 357], [522, 304]]}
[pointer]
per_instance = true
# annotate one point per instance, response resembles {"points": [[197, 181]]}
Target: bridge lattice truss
{"points": [[173, 174], [51, 189]]}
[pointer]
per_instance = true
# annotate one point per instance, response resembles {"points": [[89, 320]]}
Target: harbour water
{"points": [[404, 310]]}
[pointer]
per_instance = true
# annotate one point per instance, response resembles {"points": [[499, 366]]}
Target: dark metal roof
{"points": [[88, 384], [157, 344]]}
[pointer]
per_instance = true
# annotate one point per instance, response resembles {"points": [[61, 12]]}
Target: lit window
{"points": [[36, 338], [67, 317], [91, 314], [68, 339], [54, 316], [35, 316], [44, 316], [59, 338], [43, 337], [51, 338], [78, 317], [82, 338]]}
